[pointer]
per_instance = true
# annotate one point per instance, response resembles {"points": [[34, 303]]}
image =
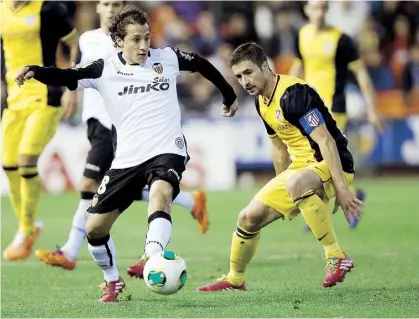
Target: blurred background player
{"points": [[33, 112], [93, 45], [325, 54]]}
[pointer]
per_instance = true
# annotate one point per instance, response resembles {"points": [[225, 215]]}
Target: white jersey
{"points": [[94, 45], [141, 100], [142, 103]]}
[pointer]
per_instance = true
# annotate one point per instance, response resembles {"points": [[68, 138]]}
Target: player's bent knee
{"points": [[99, 225], [256, 216], [95, 230], [28, 160], [88, 185], [302, 182]]}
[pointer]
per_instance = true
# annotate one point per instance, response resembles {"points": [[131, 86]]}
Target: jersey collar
{"points": [[121, 58], [274, 90]]}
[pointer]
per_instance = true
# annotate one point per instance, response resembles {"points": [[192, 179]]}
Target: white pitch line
{"points": [[34, 263]]}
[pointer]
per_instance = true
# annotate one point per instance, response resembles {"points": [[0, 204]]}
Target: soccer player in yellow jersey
{"points": [[325, 54], [312, 164], [30, 33]]}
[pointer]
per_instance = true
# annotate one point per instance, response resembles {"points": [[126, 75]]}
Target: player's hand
{"points": [[375, 118], [351, 205], [23, 75], [229, 111], [69, 104]]}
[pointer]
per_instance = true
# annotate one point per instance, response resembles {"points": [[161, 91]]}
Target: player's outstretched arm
{"points": [[194, 63], [344, 197], [367, 88], [71, 78], [302, 107]]}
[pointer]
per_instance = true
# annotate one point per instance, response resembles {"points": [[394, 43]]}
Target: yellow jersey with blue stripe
{"points": [[293, 112]]}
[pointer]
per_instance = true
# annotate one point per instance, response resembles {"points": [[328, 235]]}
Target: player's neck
{"points": [[131, 62], [321, 27], [105, 29], [16, 5], [269, 89]]}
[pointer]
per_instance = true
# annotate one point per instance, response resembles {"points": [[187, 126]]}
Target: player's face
{"points": [[316, 11], [107, 10], [136, 43], [251, 77]]}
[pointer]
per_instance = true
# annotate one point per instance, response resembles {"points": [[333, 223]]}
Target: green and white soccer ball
{"points": [[165, 273]]}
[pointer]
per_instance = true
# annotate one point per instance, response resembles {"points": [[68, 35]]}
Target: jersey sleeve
{"points": [[56, 19], [347, 50], [82, 77], [301, 106], [194, 63], [269, 129]]}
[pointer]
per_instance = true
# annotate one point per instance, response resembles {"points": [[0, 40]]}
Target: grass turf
{"points": [[284, 278]]}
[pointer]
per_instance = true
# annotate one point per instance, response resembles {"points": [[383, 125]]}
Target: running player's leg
{"points": [[12, 129], [270, 203], [163, 176], [310, 190], [114, 195], [195, 202], [98, 161], [35, 136]]}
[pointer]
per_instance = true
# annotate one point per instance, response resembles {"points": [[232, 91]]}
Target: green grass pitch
{"points": [[284, 278]]}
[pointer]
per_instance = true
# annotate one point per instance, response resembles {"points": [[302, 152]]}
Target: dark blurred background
{"points": [[387, 35]]}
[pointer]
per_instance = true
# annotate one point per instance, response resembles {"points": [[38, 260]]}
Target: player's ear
{"points": [[119, 42], [265, 66]]}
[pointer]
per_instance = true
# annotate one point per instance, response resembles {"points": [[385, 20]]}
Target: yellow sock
{"points": [[317, 216], [14, 186], [243, 247], [30, 190]]}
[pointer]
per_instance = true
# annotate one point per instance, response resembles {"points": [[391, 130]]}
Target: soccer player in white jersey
{"points": [[138, 86], [94, 45]]}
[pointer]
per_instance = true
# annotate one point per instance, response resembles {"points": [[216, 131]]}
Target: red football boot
{"points": [[111, 290], [336, 270], [221, 284], [137, 270]]}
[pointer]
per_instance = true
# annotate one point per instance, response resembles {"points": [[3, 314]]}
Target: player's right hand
{"points": [[229, 111], [23, 74], [351, 205]]}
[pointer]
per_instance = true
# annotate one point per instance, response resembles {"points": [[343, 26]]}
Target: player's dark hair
{"points": [[129, 15], [248, 51]]}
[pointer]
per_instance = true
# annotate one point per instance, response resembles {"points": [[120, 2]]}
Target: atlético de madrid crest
{"points": [[158, 68]]}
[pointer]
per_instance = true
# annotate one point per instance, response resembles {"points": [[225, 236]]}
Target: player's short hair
{"points": [[129, 15], [248, 51]]}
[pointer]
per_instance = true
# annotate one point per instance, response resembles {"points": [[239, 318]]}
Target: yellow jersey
{"points": [[326, 56], [293, 112], [29, 36]]}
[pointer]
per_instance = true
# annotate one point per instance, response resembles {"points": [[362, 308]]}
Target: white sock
{"points": [[103, 253], [77, 234], [158, 234], [184, 199]]}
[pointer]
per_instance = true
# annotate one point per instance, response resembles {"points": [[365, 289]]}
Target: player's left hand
{"points": [[229, 111], [351, 205], [23, 75], [69, 104], [375, 118]]}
